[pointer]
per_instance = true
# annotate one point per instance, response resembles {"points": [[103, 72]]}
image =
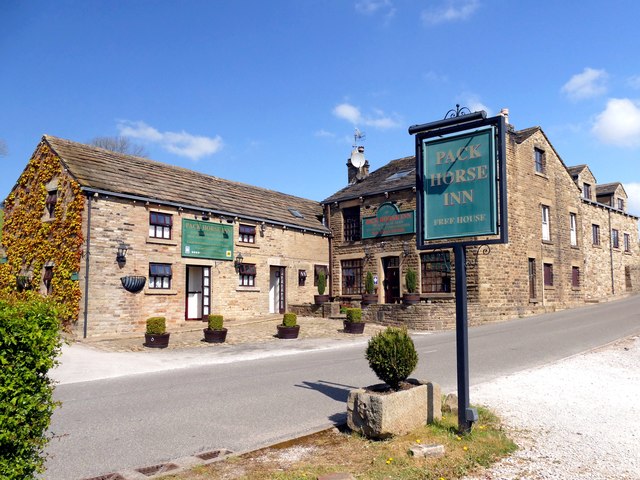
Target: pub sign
{"points": [[207, 240]]}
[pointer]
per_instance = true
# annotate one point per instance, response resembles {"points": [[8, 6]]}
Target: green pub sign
{"points": [[460, 195], [388, 221], [207, 240]]}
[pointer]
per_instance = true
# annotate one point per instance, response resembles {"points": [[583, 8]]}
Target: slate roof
{"points": [[607, 188], [576, 169], [105, 171]]}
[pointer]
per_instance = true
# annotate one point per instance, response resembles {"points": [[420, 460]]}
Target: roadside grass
{"points": [[334, 450]]}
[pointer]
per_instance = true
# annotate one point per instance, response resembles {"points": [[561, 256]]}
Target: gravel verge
{"points": [[575, 419]]}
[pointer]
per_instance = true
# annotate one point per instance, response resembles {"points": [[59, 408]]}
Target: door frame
{"points": [[205, 300]]}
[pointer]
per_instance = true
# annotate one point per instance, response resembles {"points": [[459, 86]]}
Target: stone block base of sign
{"points": [[376, 412]]}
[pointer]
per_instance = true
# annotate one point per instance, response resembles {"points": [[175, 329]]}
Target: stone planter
{"points": [[411, 298], [378, 413], [369, 298], [320, 299], [353, 327], [288, 332], [156, 340], [214, 336]]}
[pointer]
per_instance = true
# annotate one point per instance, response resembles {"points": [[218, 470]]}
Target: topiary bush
{"points": [[392, 356], [411, 280], [156, 325], [322, 282], [290, 320], [215, 322], [354, 315], [369, 286], [29, 344]]}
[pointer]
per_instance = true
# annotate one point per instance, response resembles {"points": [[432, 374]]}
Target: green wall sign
{"points": [[460, 195], [389, 221], [207, 240]]}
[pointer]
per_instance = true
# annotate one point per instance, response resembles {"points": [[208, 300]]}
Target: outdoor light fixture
{"points": [[238, 261], [121, 256], [302, 277], [367, 252], [405, 249]]}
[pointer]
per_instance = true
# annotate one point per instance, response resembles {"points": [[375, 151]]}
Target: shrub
{"points": [[411, 280], [392, 356], [215, 322], [322, 282], [369, 287], [290, 320], [29, 345], [354, 315], [156, 325]]}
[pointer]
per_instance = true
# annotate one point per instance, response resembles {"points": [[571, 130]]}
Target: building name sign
{"points": [[207, 240], [389, 221], [460, 194]]}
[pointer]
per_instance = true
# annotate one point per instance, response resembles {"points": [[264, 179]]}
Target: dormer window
{"points": [[586, 191], [50, 202], [539, 160], [621, 204]]}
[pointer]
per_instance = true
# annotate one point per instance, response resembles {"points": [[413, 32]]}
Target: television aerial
{"points": [[357, 154]]}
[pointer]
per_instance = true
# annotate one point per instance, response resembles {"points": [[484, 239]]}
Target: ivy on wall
{"points": [[31, 240]]}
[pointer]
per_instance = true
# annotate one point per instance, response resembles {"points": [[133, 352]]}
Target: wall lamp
{"points": [[238, 261], [405, 249], [121, 255], [367, 252]]}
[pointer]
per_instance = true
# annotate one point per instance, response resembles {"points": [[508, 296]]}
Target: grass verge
{"points": [[335, 450]]}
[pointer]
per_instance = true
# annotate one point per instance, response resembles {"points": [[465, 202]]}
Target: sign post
{"points": [[461, 201]]}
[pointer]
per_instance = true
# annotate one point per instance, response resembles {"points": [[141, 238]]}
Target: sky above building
{"points": [[270, 93]]}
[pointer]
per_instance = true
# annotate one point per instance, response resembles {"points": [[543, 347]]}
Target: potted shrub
{"points": [[411, 297], [215, 332], [369, 296], [322, 285], [156, 335], [399, 405], [353, 322], [289, 327]]}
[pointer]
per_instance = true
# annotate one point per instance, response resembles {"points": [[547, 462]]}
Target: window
{"points": [[316, 271], [620, 204], [435, 269], [627, 242], [160, 225], [532, 278], [247, 275], [50, 202], [595, 234], [160, 276], [539, 160], [573, 227], [546, 231], [575, 277], [351, 218], [351, 277], [586, 191], [548, 275], [247, 234], [615, 238], [47, 276]]}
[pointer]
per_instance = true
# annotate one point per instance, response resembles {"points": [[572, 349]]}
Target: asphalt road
{"points": [[128, 422]]}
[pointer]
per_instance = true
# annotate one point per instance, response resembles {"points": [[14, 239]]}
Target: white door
{"points": [[194, 293]]}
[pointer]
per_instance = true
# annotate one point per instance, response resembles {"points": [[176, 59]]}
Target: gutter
{"points": [[86, 269]]}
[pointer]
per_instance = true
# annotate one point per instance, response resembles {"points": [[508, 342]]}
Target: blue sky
{"points": [[269, 92]]}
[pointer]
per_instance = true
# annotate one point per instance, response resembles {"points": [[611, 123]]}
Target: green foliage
{"points": [[29, 345], [156, 325], [411, 280], [215, 322], [322, 282], [290, 320], [392, 356], [354, 315], [369, 286]]}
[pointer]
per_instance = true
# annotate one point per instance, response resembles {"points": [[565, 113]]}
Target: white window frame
{"points": [[573, 229], [546, 230]]}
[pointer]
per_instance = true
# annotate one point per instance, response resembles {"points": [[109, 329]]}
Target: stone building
{"points": [[118, 239], [570, 242]]}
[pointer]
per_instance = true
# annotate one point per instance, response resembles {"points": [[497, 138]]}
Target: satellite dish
{"points": [[357, 158]]}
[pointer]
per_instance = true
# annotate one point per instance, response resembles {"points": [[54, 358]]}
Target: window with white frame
{"points": [[160, 276], [573, 229], [247, 234], [160, 225], [546, 230], [247, 275]]}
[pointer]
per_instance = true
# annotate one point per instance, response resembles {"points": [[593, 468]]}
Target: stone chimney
{"points": [[505, 113], [357, 166]]}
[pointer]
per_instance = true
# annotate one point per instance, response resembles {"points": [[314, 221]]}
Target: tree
{"points": [[119, 145]]}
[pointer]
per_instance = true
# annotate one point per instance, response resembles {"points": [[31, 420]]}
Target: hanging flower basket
{"points": [[133, 283]]}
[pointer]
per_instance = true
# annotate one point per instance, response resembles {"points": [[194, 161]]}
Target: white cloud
{"points": [[352, 114], [634, 82], [180, 143], [450, 11], [324, 133], [619, 123], [633, 192], [370, 7], [590, 83]]}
